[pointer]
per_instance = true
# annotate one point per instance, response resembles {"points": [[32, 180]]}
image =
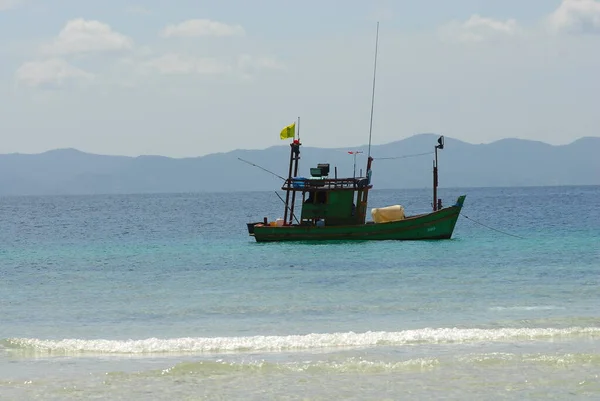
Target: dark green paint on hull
{"points": [[436, 225]]}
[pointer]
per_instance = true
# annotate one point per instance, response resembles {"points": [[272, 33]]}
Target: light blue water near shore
{"points": [[166, 297]]}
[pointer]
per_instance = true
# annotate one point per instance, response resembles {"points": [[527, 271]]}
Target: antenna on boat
{"points": [[437, 203], [355, 152], [373, 94]]}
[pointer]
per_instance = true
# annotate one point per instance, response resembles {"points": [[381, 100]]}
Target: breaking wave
{"points": [[296, 342]]}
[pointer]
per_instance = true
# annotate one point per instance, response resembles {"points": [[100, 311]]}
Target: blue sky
{"points": [[188, 78]]}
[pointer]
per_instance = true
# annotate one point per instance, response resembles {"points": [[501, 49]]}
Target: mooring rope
{"points": [[491, 228]]}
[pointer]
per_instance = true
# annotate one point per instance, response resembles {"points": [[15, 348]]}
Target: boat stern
{"points": [[251, 227]]}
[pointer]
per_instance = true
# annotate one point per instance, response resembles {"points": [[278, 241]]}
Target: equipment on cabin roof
{"points": [[322, 170]]}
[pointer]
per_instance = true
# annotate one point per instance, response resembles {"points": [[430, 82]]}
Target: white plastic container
{"points": [[279, 222]]}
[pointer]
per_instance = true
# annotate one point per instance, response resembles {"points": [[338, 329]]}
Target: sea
{"points": [[166, 297]]}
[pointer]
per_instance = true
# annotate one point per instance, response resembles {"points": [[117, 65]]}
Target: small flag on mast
{"points": [[289, 131]]}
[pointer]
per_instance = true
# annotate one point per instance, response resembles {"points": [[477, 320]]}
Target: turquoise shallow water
{"points": [[166, 297]]}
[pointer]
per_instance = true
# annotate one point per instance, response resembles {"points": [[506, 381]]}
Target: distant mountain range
{"points": [[508, 162]]}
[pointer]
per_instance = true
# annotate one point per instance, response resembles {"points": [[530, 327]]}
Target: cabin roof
{"points": [[326, 184]]}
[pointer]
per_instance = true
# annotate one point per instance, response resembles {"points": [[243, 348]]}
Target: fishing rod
{"points": [[276, 175], [262, 168]]}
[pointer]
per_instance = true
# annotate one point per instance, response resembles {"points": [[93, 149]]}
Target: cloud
{"points": [[84, 36], [201, 27], [479, 29], [244, 66], [52, 71], [135, 66], [8, 4], [177, 64], [248, 67], [576, 16]]}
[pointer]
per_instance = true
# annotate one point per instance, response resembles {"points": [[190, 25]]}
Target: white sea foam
{"points": [[526, 308], [349, 365], [298, 342]]}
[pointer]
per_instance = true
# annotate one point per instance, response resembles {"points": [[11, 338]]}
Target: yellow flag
{"points": [[289, 131]]}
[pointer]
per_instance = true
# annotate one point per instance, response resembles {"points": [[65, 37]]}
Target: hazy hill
{"points": [[508, 162]]}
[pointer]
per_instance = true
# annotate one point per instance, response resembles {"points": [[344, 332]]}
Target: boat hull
{"points": [[431, 226]]}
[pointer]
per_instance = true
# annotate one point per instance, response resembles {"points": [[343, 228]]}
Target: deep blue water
{"points": [[167, 294]]}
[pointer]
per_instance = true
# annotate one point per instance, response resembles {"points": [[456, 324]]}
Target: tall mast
{"points": [[373, 94], [365, 192], [294, 156], [296, 150]]}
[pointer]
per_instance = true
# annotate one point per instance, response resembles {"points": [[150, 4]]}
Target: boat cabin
{"points": [[329, 201]]}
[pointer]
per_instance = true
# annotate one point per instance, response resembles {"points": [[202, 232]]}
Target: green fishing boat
{"points": [[336, 208]]}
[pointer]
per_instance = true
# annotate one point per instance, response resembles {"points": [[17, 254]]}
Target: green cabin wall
{"points": [[335, 207]]}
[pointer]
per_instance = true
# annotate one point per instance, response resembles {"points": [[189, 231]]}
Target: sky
{"points": [[184, 78]]}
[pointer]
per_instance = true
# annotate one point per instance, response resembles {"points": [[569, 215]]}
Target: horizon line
{"points": [[453, 188]]}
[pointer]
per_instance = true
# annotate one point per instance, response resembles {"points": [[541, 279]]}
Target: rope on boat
{"points": [[289, 208], [491, 228], [402, 157]]}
